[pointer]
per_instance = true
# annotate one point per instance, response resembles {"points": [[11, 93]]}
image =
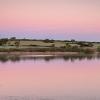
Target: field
{"points": [[27, 45]]}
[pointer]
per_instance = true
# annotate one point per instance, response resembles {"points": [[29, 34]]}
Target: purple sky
{"points": [[56, 19]]}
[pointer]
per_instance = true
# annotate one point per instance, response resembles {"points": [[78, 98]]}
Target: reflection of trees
{"points": [[78, 57], [72, 58], [13, 58], [98, 56]]}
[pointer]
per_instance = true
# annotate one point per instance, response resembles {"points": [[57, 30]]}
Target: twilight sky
{"points": [[56, 19]]}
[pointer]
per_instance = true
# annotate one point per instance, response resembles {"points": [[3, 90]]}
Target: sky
{"points": [[54, 19]]}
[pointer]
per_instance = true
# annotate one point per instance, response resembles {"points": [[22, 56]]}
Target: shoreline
{"points": [[45, 53], [38, 53]]}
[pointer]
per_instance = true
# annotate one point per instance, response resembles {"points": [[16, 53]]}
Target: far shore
{"points": [[48, 47], [38, 53], [42, 53]]}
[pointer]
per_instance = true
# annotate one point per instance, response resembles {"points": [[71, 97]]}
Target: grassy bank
{"points": [[49, 49], [26, 45]]}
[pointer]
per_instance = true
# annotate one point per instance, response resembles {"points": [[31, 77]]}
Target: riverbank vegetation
{"points": [[47, 45]]}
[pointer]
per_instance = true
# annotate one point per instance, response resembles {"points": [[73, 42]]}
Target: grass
{"points": [[98, 48], [48, 45]]}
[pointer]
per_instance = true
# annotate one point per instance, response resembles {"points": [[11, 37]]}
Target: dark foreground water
{"points": [[50, 77]]}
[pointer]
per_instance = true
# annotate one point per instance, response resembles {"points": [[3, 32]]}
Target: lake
{"points": [[73, 77]]}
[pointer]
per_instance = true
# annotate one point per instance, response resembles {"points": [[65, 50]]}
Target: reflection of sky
{"points": [[57, 78], [59, 17]]}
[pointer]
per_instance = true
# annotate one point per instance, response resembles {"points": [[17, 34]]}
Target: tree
{"points": [[72, 40], [13, 38]]}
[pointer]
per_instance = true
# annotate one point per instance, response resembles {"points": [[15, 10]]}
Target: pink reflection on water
{"points": [[50, 78]]}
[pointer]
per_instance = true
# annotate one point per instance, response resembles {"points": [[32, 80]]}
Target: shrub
{"points": [[68, 45], [83, 44], [98, 48], [88, 51], [48, 41], [3, 41], [17, 43], [53, 45]]}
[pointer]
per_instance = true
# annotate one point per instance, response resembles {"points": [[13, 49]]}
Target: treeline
{"points": [[44, 40]]}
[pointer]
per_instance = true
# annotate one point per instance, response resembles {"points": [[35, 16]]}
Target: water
{"points": [[50, 78]]}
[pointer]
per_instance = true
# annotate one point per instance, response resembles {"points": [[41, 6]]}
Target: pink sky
{"points": [[58, 16]]}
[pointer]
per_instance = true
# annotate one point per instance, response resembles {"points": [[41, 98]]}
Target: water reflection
{"points": [[50, 77], [47, 98], [72, 58]]}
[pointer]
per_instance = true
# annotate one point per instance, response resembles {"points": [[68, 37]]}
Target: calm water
{"points": [[49, 78]]}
